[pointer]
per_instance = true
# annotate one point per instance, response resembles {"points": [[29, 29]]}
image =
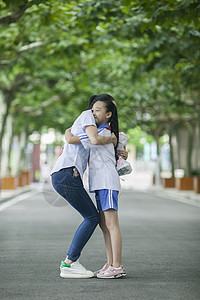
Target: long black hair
{"points": [[110, 106]]}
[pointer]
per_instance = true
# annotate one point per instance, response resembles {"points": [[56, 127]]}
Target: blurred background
{"points": [[54, 55]]}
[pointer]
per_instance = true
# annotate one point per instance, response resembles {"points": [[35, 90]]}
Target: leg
{"points": [[84, 205], [71, 188], [112, 223], [107, 239]]}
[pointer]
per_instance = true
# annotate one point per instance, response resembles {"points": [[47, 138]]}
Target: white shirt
{"points": [[75, 154], [102, 163]]}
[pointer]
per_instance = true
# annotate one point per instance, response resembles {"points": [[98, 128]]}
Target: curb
{"points": [[15, 194], [188, 198]]}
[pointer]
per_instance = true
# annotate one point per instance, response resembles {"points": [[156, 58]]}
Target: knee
{"points": [[103, 227], [110, 226], [95, 218]]}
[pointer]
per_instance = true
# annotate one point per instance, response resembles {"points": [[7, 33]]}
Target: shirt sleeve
{"points": [[85, 141], [87, 119]]}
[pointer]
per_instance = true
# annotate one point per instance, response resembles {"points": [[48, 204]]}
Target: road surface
{"points": [[161, 249]]}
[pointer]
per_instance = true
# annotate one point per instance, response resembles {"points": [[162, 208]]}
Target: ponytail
{"points": [[110, 106], [115, 128]]}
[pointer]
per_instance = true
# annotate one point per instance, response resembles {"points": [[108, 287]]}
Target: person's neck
{"points": [[103, 122]]}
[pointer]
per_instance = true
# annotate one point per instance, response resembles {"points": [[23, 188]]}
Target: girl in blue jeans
{"points": [[67, 181]]}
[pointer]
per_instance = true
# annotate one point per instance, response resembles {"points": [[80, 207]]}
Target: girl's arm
{"points": [[92, 133], [97, 139], [70, 138]]}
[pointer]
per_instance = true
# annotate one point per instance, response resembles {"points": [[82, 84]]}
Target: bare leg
{"points": [[107, 239], [112, 224]]}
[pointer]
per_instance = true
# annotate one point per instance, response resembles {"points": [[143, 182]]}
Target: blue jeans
{"points": [[69, 185]]}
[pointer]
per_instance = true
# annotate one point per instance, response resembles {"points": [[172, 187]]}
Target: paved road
{"points": [[161, 250]]}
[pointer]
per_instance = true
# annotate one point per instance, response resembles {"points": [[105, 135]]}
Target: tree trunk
{"points": [[171, 153], [158, 168], [3, 126], [189, 150], [178, 149], [23, 138], [198, 148], [10, 152]]}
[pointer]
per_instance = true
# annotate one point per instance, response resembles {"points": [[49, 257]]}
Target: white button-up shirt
{"points": [[75, 154], [102, 162]]}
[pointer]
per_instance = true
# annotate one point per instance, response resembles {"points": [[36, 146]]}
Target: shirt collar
{"points": [[103, 125]]}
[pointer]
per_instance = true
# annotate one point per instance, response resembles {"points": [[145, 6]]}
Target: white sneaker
{"points": [[75, 270]]}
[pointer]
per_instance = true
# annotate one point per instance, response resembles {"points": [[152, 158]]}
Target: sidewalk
{"points": [[189, 197], [6, 195], [142, 181]]}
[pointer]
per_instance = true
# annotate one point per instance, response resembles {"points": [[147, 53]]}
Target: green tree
{"points": [[54, 55]]}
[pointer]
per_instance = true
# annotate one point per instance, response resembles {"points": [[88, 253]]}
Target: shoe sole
{"points": [[114, 277], [75, 275]]}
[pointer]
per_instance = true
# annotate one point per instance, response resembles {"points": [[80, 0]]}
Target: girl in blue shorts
{"points": [[104, 181]]}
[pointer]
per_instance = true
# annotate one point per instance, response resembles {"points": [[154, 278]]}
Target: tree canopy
{"points": [[55, 54]]}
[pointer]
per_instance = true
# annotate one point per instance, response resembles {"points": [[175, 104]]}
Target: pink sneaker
{"points": [[112, 272], [105, 267]]}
